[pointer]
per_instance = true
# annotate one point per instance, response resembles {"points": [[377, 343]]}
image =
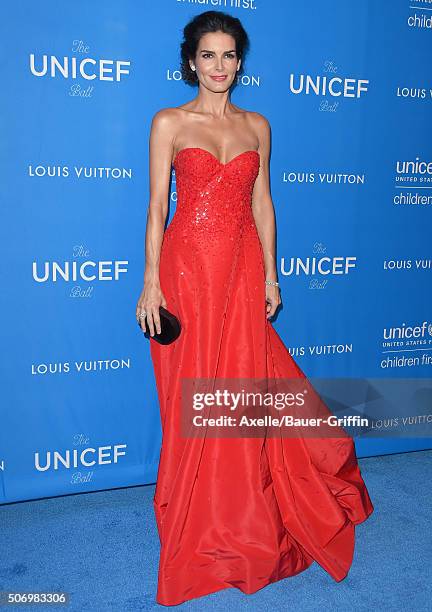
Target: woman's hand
{"points": [[149, 301], [272, 299]]}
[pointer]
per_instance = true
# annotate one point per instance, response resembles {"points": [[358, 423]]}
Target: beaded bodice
{"points": [[212, 197]]}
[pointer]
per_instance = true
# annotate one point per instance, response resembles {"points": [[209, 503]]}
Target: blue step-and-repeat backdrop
{"points": [[347, 89]]}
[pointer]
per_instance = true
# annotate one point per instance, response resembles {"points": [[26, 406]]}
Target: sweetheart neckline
{"points": [[214, 156]]}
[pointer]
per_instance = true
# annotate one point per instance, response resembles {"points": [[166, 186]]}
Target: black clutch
{"points": [[170, 327]]}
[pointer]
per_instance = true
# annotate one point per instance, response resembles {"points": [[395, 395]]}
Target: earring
{"points": [[193, 67]]}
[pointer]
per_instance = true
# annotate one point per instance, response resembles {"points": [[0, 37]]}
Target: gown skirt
{"points": [[238, 512]]}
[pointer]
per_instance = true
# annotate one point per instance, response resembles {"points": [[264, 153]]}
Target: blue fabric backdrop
{"points": [[346, 88]]}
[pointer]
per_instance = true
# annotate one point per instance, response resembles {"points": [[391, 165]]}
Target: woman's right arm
{"points": [[160, 156]]}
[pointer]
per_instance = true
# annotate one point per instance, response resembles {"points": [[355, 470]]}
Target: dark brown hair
{"points": [[210, 21]]}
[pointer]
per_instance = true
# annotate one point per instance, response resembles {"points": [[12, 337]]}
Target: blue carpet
{"points": [[103, 549]]}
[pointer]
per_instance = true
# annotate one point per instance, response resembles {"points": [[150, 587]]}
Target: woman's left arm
{"points": [[263, 212]]}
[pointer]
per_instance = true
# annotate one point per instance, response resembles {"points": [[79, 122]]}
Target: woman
{"points": [[231, 511]]}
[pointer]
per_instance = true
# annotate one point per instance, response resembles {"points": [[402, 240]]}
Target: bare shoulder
{"points": [[165, 125], [165, 117], [259, 123], [260, 126]]}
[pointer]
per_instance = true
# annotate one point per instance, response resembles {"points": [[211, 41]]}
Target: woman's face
{"points": [[216, 61]]}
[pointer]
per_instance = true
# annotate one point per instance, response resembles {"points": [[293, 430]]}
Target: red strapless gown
{"points": [[241, 512]]}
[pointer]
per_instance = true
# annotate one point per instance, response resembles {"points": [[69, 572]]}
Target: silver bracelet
{"points": [[270, 282]]}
